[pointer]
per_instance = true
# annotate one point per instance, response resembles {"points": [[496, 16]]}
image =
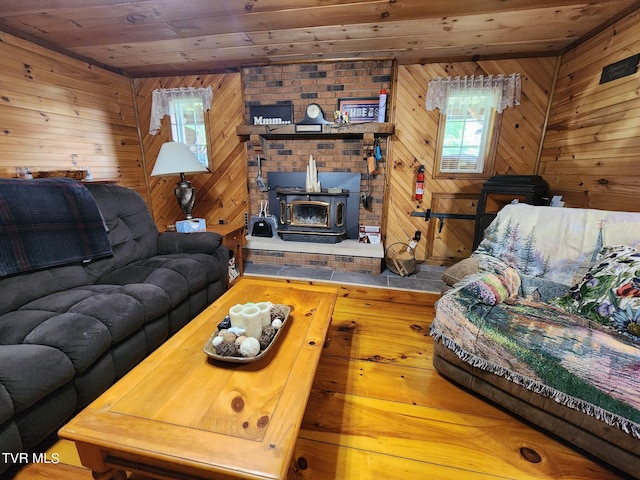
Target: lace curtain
{"points": [[503, 89], [162, 97]]}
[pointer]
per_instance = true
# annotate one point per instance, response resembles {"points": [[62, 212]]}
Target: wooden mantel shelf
{"points": [[338, 130], [367, 131]]}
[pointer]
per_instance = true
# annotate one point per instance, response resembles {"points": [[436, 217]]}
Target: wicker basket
{"points": [[76, 174], [400, 259]]}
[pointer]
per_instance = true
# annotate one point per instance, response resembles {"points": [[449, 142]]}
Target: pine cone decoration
{"points": [[278, 311], [267, 336], [226, 349]]}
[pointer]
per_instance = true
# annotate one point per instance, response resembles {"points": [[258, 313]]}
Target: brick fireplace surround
{"points": [[322, 83]]}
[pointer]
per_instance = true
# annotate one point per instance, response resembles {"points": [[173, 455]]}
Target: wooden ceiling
{"points": [[168, 37]]}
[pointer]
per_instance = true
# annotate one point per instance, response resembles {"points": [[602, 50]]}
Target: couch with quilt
{"points": [[88, 288], [544, 320]]}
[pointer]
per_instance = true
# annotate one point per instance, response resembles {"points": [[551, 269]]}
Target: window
{"points": [[186, 108], [188, 125], [465, 135], [469, 121]]}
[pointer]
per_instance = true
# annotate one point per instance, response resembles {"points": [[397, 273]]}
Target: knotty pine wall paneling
{"points": [[58, 113], [414, 144], [221, 195], [591, 148]]}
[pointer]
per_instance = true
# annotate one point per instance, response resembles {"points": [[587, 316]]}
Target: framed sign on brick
{"points": [[359, 110], [278, 114]]}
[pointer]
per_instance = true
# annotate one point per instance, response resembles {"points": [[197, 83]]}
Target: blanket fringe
{"points": [[562, 398]]}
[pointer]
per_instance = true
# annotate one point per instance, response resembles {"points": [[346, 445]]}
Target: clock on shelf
{"points": [[313, 120]]}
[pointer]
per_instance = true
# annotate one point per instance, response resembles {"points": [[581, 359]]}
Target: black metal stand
{"points": [[501, 190], [441, 216]]}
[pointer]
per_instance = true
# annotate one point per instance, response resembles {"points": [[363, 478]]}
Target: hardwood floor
{"points": [[378, 410]]}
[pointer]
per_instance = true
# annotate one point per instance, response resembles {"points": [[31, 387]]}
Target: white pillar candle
{"points": [[235, 314], [265, 313], [252, 321]]}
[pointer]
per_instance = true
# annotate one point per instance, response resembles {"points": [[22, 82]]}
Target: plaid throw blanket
{"points": [[48, 222]]}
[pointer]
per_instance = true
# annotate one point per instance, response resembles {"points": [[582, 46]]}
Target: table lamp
{"points": [[175, 158]]}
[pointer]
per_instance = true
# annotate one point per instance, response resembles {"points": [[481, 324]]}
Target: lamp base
{"points": [[186, 196]]}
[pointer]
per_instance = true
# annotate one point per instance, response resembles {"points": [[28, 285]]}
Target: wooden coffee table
{"points": [[179, 414]]}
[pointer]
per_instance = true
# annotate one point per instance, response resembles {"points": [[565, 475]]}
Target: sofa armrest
{"points": [[199, 242]]}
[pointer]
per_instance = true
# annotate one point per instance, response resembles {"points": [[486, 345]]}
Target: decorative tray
{"points": [[210, 350]]}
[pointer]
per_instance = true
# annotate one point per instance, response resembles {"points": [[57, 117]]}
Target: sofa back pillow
{"points": [[132, 231], [557, 244]]}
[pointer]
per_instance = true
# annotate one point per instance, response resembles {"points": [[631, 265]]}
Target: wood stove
{"points": [[312, 216], [294, 182], [501, 190]]}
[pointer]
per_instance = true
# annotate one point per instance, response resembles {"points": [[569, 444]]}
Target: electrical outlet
{"points": [[417, 236]]}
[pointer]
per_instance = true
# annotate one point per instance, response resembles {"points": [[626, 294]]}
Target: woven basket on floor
{"points": [[401, 259]]}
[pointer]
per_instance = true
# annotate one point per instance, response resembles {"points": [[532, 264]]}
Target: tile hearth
{"points": [[426, 279], [345, 256], [346, 247]]}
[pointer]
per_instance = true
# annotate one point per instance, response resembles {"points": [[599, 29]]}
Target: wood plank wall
{"points": [[414, 144], [592, 144], [58, 113], [221, 195]]}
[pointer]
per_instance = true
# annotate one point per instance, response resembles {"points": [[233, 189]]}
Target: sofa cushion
{"points": [[178, 275], [43, 418], [18, 290], [85, 321], [201, 242], [610, 291], [31, 372], [132, 231], [81, 338], [15, 326], [6, 405]]}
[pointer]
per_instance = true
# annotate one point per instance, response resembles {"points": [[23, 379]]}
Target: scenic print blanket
{"points": [[577, 362]]}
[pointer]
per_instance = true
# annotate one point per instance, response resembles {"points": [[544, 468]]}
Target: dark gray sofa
{"points": [[68, 332]]}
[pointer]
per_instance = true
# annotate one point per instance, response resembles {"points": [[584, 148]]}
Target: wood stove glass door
{"points": [[309, 214]]}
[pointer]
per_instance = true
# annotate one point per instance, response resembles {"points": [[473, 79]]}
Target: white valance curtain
{"points": [[162, 98], [451, 94]]}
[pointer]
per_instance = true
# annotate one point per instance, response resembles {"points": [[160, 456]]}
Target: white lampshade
{"points": [[176, 158]]}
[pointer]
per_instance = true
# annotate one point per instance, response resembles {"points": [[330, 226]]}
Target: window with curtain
{"points": [[469, 121], [466, 133], [186, 108]]}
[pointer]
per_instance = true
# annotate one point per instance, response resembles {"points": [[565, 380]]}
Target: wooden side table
{"points": [[233, 239]]}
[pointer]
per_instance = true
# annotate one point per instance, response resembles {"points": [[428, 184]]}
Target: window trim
{"points": [[489, 154]]}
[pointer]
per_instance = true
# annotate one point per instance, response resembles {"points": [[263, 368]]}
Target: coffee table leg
{"points": [[110, 474], [93, 458]]}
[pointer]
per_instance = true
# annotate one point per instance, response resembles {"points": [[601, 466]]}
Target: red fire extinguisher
{"points": [[420, 183]]}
